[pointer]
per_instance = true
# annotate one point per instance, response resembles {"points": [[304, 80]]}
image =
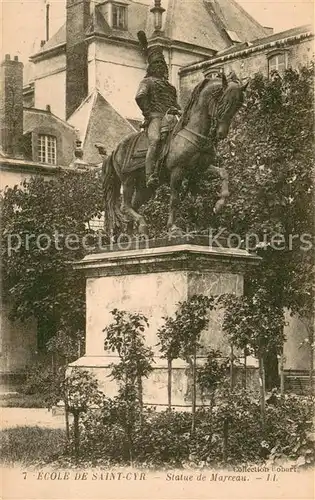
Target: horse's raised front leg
{"points": [[222, 172], [129, 204], [175, 184]]}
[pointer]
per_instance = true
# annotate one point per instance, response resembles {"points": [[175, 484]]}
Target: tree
{"points": [[169, 343], [125, 336], [210, 376], [269, 156], [80, 393], [254, 324], [191, 318], [44, 223], [213, 372]]}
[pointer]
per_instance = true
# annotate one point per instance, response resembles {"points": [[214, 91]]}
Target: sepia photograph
{"points": [[157, 249]]}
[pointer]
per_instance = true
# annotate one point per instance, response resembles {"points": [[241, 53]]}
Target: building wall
{"points": [[298, 55], [116, 70], [18, 343], [13, 177], [296, 352], [177, 59], [50, 84]]}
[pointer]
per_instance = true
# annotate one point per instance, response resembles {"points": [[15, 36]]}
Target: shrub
{"points": [[164, 438], [42, 381], [110, 430], [229, 431], [289, 428]]}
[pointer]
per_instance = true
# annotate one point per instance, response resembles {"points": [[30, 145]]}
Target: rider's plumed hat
{"points": [[154, 54]]}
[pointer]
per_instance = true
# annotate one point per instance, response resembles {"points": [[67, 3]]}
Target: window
{"points": [[278, 62], [119, 17], [47, 149]]}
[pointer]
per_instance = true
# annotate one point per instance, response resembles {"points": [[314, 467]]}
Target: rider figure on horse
{"points": [[156, 97]]}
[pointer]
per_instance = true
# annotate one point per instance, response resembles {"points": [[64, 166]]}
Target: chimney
{"points": [[268, 30], [11, 105], [78, 17]]}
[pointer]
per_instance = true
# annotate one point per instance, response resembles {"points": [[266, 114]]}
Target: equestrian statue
{"points": [[171, 144]]}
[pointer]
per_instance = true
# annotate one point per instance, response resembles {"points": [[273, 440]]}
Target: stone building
{"points": [[292, 48], [95, 56], [32, 142]]}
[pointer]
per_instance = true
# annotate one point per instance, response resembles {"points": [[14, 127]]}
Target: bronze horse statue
{"points": [[205, 120]]}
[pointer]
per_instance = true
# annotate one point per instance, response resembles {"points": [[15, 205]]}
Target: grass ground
{"points": [[30, 445]]}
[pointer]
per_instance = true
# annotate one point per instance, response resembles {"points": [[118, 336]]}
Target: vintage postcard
{"points": [[157, 249]]}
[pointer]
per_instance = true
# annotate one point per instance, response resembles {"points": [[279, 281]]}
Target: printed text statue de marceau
{"points": [[156, 97]]}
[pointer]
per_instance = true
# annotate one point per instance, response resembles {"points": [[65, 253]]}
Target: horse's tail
{"points": [[112, 199]]}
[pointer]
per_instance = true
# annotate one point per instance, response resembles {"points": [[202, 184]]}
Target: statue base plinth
{"points": [[152, 281]]}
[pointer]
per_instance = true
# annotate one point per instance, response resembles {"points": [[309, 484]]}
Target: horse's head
{"points": [[229, 103]]}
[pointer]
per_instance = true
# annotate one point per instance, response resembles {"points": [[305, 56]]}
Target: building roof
{"points": [[32, 118], [213, 24], [97, 121], [300, 30], [59, 38], [209, 21], [281, 39]]}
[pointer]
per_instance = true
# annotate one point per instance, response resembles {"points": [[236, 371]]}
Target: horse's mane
{"points": [[195, 95], [193, 98]]}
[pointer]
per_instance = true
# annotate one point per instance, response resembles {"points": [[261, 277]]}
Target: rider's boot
{"points": [[150, 168]]}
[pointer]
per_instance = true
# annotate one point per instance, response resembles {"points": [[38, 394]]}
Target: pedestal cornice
{"points": [[182, 257]]}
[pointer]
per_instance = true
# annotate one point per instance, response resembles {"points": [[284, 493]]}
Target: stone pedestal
{"points": [[152, 281]]}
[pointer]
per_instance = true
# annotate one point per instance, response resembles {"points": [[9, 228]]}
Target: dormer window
{"points": [[116, 13], [119, 13], [233, 36], [47, 149], [277, 61]]}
